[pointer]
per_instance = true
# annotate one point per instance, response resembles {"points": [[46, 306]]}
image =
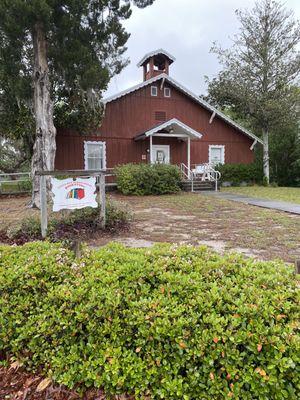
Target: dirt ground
{"points": [[17, 384], [193, 219]]}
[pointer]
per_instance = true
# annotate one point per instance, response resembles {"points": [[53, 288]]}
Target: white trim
{"points": [[156, 91], [151, 148], [103, 145], [167, 89], [155, 53], [188, 93], [253, 144], [174, 121], [216, 146], [171, 135], [162, 83], [189, 155], [161, 146], [212, 117]]}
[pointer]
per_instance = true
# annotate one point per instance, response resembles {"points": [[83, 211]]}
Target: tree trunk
{"points": [[45, 146], [266, 156]]}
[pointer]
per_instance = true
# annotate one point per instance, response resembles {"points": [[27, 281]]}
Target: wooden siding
{"points": [[135, 113]]}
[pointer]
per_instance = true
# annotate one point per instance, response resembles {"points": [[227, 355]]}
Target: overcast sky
{"points": [[186, 29]]}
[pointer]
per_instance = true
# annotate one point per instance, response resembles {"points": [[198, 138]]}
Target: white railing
{"points": [[203, 172], [19, 182], [185, 171]]}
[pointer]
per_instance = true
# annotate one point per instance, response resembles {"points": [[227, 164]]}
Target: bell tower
{"points": [[156, 63]]}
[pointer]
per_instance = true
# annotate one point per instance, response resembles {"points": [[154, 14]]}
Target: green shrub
{"points": [[161, 323], [78, 223], [238, 173], [147, 179]]}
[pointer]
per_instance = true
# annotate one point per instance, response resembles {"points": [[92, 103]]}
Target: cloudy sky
{"points": [[186, 29]]}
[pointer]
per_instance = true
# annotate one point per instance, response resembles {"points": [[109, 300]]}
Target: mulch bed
{"points": [[17, 384]]}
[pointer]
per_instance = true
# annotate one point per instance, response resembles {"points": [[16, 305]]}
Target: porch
{"points": [[171, 135]]}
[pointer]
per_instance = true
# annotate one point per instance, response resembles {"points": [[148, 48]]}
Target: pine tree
{"points": [[260, 71], [57, 48]]}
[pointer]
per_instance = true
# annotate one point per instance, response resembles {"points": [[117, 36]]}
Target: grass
{"points": [[288, 194], [18, 186]]}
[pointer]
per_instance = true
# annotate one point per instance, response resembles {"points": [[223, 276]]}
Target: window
{"points": [[94, 155], [167, 92], [154, 91], [216, 154], [160, 116]]}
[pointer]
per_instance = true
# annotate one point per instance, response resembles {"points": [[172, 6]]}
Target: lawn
{"points": [[289, 194], [193, 219]]}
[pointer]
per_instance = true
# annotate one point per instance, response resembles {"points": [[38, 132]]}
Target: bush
{"points": [[147, 179], [165, 323], [238, 173], [81, 223]]}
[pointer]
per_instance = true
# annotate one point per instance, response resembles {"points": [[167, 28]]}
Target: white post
{"points": [[189, 156], [102, 200], [43, 210], [151, 149]]}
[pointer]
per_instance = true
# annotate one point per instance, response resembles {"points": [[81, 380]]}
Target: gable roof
{"points": [[155, 53], [190, 94], [172, 123]]}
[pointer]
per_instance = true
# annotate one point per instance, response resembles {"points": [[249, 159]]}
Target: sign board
{"points": [[74, 193]]}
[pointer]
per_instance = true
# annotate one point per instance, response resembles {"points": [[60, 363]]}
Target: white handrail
{"points": [[209, 174]]}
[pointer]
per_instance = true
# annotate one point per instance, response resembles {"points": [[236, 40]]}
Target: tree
{"points": [[58, 48], [260, 70]]}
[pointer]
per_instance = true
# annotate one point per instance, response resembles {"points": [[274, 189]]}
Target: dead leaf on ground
{"points": [[43, 384]]}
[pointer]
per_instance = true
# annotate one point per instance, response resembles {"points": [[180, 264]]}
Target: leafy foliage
{"points": [[166, 323], [146, 179], [260, 71], [68, 226], [238, 173], [85, 47]]}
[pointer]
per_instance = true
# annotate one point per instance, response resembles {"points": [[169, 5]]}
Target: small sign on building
{"points": [[74, 193]]}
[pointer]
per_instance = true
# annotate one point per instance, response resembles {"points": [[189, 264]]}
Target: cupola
{"points": [[155, 63]]}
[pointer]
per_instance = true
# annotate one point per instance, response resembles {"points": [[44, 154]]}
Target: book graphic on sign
{"points": [[76, 193]]}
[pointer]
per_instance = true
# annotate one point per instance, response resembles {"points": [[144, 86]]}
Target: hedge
{"points": [[238, 173], [161, 323], [147, 179]]}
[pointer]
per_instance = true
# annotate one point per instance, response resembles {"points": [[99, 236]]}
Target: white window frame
{"points": [[154, 91], [103, 146], [167, 90], [216, 146]]}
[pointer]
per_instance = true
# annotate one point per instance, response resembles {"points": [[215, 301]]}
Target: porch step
{"points": [[197, 186]]}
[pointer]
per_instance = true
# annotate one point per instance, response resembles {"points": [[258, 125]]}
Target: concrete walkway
{"points": [[265, 203]]}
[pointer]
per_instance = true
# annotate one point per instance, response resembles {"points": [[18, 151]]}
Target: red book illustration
{"points": [[77, 193]]}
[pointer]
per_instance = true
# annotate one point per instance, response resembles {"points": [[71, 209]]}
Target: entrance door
{"points": [[161, 154]]}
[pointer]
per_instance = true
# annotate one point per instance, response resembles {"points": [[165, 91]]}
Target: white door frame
{"points": [[165, 147]]}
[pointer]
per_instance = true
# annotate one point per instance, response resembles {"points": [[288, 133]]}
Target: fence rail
{"points": [[15, 183]]}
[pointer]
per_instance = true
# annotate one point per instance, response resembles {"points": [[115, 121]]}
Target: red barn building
{"points": [[158, 120]]}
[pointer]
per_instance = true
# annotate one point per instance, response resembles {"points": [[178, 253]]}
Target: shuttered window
{"points": [[160, 116]]}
